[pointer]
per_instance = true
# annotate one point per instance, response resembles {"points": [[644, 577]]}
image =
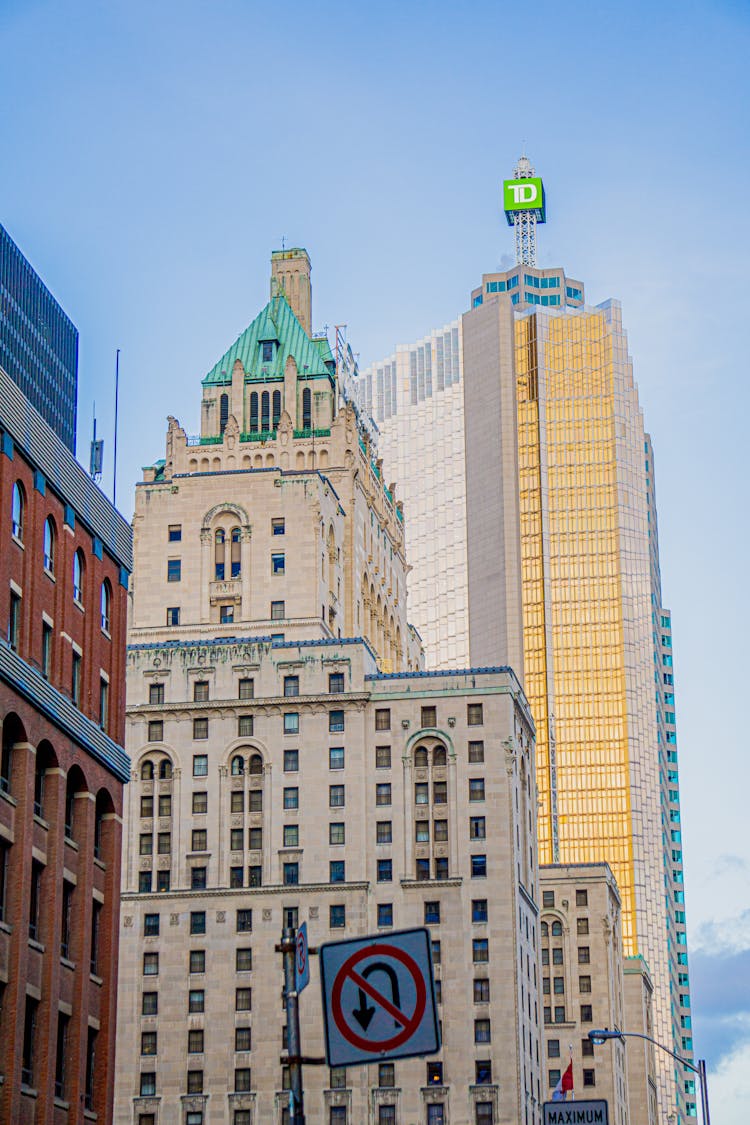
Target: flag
{"points": [[560, 1092]]}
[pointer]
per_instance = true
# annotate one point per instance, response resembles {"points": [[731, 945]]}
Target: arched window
{"points": [[223, 413], [147, 771], [557, 929], [45, 760], [254, 412], [235, 549], [13, 732], [106, 604], [49, 545], [104, 807], [78, 568], [276, 408], [76, 783], [265, 411], [17, 510], [439, 756], [165, 769], [545, 929], [420, 757], [238, 765], [219, 538], [307, 409], [256, 764]]}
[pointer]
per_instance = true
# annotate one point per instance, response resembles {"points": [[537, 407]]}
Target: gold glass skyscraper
{"points": [[578, 549]]}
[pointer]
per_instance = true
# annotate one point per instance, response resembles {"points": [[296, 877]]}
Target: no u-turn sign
{"points": [[379, 998]]}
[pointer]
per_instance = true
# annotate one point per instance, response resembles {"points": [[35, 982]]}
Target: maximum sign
{"points": [[379, 998]]}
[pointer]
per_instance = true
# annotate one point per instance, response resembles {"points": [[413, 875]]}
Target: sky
{"points": [[153, 154]]}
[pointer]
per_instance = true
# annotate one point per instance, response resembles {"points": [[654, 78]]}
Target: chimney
{"points": [[290, 276]]}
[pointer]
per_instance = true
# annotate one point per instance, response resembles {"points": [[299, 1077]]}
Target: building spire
{"points": [[524, 203]]}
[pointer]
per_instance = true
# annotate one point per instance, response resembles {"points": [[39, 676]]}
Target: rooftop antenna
{"points": [[97, 454], [524, 204], [117, 396]]}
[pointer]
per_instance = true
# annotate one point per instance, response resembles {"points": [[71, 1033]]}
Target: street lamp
{"points": [[599, 1035]]}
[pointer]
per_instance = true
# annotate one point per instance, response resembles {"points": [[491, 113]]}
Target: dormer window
{"points": [[267, 351]]}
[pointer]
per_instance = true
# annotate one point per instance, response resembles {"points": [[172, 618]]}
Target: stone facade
{"points": [[292, 762], [587, 984]]}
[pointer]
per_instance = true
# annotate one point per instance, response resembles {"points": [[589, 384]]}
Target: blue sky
{"points": [[155, 153]]}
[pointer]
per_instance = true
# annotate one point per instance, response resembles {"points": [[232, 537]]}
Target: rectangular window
{"points": [[278, 563], [440, 831], [336, 758], [476, 751], [148, 1043], [144, 882], [174, 533], [197, 922], [423, 870], [278, 611], [196, 1000], [474, 714], [255, 839], [291, 685], [582, 925], [336, 833], [156, 730], [385, 870], [436, 951], [383, 794], [200, 729], [291, 761], [335, 683], [156, 693], [336, 721], [584, 984], [197, 878], [582, 898], [46, 650], [242, 999], [429, 717], [480, 948], [197, 961], [103, 703], [278, 527], [174, 570], [382, 757], [173, 615], [242, 1079], [386, 1075], [164, 843], [584, 955], [383, 718], [385, 914], [290, 874], [146, 843], [200, 802], [291, 722], [431, 913], [236, 877], [337, 871], [421, 793], [246, 689], [479, 867], [245, 726], [195, 1081], [337, 916], [384, 832], [291, 797], [150, 924], [477, 830], [195, 1042], [148, 1090], [482, 1032], [422, 831], [336, 796], [243, 960], [548, 898], [200, 765], [199, 840], [242, 1039], [483, 1072], [586, 1013], [440, 792], [226, 614], [291, 835], [150, 1004], [476, 789], [75, 677], [481, 990], [479, 910], [150, 964]]}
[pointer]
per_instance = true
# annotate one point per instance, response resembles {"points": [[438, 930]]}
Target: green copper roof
{"points": [[276, 322]]}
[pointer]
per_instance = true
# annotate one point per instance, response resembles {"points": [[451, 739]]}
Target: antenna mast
{"points": [[524, 203]]}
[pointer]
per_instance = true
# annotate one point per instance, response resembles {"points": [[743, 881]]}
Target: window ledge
{"points": [[97, 980], [28, 1091], [41, 822], [78, 605], [67, 964], [19, 543], [106, 633], [100, 863], [5, 796], [33, 944], [5, 928], [60, 1104], [71, 843]]}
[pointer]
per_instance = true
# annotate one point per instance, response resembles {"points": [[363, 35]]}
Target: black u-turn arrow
{"points": [[364, 1013]]}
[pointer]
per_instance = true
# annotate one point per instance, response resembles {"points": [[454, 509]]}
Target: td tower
{"points": [[527, 478]]}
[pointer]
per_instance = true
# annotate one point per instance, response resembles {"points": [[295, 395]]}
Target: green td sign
{"points": [[524, 195]]}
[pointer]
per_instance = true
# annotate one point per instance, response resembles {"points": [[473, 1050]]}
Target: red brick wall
{"points": [[36, 966]]}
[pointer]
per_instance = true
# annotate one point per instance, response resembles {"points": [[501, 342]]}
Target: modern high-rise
{"points": [[552, 534], [292, 761], [64, 565], [38, 342]]}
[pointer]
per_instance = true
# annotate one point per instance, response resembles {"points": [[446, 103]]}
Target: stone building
{"points": [[64, 574], [586, 984], [291, 761]]}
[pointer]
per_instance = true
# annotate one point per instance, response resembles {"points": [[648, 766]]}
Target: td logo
{"points": [[524, 195]]}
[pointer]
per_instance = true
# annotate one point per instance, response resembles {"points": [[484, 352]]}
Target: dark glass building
{"points": [[38, 343]]}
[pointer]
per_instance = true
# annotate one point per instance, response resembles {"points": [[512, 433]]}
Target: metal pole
{"points": [[288, 948], [114, 453], [704, 1091]]}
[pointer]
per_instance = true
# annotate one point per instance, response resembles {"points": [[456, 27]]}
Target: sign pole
{"points": [[289, 950]]}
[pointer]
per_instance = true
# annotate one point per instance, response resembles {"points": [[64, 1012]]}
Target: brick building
{"points": [[64, 565]]}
